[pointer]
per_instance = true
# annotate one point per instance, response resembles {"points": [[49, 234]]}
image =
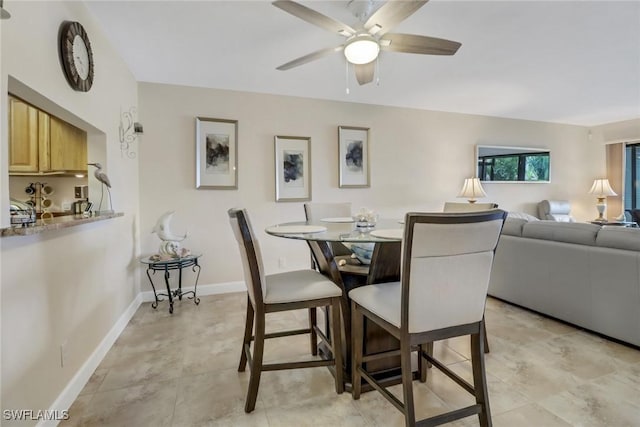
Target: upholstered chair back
{"points": [[316, 211], [250, 254], [555, 210], [447, 259], [468, 207]]}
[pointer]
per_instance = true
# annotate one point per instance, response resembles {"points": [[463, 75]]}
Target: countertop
{"points": [[56, 223]]}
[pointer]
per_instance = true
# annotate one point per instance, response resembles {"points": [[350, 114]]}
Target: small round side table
{"points": [[167, 266]]}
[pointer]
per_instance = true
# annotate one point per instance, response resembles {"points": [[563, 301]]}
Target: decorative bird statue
{"points": [[104, 180]]}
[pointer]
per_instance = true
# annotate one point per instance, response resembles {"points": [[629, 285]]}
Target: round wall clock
{"points": [[76, 56]]}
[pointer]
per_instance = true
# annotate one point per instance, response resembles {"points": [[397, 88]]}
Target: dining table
{"points": [[384, 266]]}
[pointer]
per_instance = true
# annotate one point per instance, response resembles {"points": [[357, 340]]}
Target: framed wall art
{"points": [[216, 153], [293, 168], [353, 152]]}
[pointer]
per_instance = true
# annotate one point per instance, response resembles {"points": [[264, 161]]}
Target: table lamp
{"points": [[472, 190], [601, 188]]}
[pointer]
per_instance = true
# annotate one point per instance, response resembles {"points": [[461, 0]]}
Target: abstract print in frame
{"points": [[293, 168], [216, 153], [353, 151]]}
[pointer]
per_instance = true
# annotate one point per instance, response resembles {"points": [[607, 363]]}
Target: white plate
{"points": [[392, 233], [296, 229], [338, 219]]}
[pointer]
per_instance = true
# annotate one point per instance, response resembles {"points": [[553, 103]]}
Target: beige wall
{"points": [[68, 286], [418, 161], [625, 131]]}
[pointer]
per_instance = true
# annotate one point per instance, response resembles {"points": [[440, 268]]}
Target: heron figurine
{"points": [[104, 180]]}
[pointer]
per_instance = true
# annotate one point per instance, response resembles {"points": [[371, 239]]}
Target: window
{"points": [[632, 177], [514, 167]]}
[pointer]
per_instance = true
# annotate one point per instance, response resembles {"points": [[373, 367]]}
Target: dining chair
{"points": [[446, 266], [468, 207], [286, 291], [315, 212]]}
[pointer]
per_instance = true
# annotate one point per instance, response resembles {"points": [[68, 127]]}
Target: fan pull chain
{"points": [[346, 76], [378, 71]]}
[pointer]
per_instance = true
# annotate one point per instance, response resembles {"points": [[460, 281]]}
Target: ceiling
{"points": [[575, 62]]}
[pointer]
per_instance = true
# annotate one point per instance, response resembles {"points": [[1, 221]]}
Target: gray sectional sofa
{"points": [[577, 272]]}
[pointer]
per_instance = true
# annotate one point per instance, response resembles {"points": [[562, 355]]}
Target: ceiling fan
{"points": [[364, 43]]}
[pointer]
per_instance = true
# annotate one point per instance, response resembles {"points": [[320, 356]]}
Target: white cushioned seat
{"points": [[300, 285], [555, 210], [382, 299]]}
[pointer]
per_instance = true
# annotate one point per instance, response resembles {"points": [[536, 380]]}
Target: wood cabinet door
{"points": [[44, 154], [23, 137], [68, 147]]}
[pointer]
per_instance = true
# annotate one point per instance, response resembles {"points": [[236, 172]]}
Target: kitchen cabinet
{"points": [[67, 147], [43, 144]]}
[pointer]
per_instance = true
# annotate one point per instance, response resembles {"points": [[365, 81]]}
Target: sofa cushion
{"points": [[522, 215], [568, 232], [513, 226], [619, 238]]}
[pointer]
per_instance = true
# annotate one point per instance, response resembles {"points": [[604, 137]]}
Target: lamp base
{"points": [[601, 206]]}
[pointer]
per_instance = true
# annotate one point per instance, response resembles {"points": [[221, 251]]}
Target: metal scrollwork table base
{"points": [[173, 264]]}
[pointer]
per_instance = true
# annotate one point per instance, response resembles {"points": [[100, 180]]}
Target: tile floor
{"points": [[180, 370]]}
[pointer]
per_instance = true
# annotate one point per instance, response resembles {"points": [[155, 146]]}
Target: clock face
{"points": [[81, 57], [76, 56]]}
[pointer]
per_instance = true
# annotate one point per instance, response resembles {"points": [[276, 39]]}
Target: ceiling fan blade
{"points": [[313, 17], [364, 72], [391, 14], [411, 43], [310, 57]]}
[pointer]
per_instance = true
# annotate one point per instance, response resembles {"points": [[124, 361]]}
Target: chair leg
{"points": [[256, 365], [486, 340], [336, 344], [407, 382], [313, 336], [423, 363], [357, 334], [248, 328], [479, 376]]}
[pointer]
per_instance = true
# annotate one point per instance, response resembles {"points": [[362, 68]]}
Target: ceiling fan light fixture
{"points": [[361, 49]]}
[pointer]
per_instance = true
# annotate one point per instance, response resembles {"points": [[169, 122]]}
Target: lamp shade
{"points": [[472, 189], [602, 188], [361, 49]]}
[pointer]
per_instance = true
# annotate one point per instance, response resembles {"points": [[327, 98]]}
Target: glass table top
{"points": [[385, 230], [147, 260]]}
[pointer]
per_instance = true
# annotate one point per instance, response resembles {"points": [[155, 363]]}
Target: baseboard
{"points": [[80, 379], [214, 289]]}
